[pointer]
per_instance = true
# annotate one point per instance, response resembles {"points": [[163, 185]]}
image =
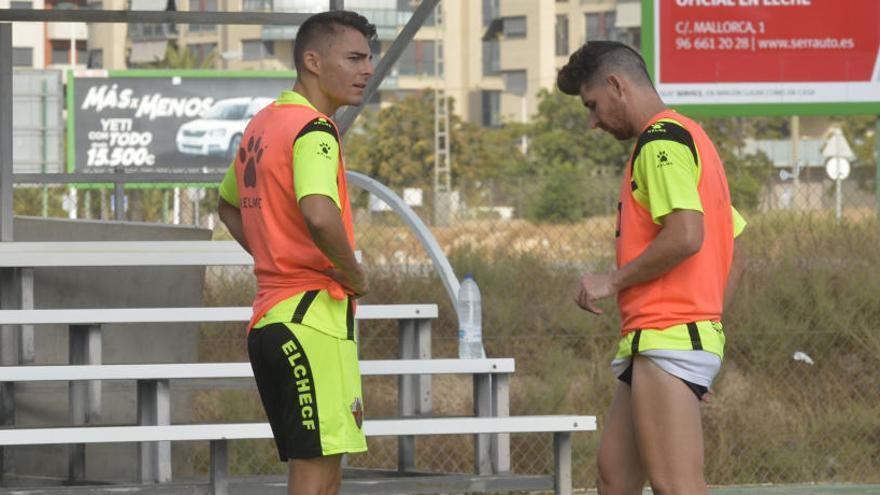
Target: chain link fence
{"points": [[796, 400]]}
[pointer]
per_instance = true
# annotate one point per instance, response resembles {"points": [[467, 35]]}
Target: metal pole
{"points": [[442, 138], [102, 196], [196, 192], [795, 159], [165, 206], [84, 396], [877, 163], [524, 111], [73, 202], [74, 195], [154, 408], [26, 337], [8, 337], [407, 394], [482, 408], [500, 448], [9, 344], [119, 197], [562, 460], [6, 205], [220, 467], [176, 215], [119, 201], [839, 199], [44, 120]]}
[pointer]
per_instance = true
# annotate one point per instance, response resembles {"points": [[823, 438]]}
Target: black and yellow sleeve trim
{"points": [[320, 124], [668, 131]]}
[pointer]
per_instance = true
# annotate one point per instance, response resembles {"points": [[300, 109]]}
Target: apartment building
{"points": [[28, 38], [527, 41], [64, 45], [106, 46], [496, 55], [500, 53]]}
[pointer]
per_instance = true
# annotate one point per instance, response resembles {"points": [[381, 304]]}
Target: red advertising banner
{"points": [[767, 51]]}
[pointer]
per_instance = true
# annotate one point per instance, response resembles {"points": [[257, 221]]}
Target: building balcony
{"points": [[152, 32], [144, 52], [278, 33], [67, 30]]}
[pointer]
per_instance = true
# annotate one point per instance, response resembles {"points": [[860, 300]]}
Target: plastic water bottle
{"points": [[470, 325]]}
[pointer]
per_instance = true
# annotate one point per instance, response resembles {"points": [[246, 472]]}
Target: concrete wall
{"points": [[46, 404]]}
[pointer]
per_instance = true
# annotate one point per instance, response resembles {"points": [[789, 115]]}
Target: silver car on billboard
{"points": [[218, 131]]}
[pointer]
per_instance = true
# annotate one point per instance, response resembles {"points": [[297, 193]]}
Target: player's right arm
{"points": [[665, 180], [228, 207], [315, 169], [325, 225], [665, 177]]}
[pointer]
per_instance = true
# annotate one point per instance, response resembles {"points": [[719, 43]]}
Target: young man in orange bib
{"points": [[677, 267], [285, 200]]}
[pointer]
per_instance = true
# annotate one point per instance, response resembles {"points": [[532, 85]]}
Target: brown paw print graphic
{"points": [[251, 156]]}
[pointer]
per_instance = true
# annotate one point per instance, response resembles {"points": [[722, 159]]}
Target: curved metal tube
{"points": [[444, 269]]}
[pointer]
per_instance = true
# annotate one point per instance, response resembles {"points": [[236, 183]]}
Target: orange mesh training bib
{"points": [[286, 260], [693, 290]]}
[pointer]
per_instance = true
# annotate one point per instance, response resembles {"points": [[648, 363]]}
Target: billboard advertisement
{"points": [[797, 56], [153, 121]]}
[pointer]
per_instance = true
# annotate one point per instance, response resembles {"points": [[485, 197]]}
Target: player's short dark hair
{"points": [[326, 24], [598, 58]]}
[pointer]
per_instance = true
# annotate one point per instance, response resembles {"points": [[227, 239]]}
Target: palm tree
{"points": [[181, 57]]}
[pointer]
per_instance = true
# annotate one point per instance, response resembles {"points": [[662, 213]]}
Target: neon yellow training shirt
{"points": [[667, 180]]}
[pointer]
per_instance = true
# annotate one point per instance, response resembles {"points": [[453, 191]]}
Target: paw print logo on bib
{"points": [[250, 155], [663, 159], [325, 149]]}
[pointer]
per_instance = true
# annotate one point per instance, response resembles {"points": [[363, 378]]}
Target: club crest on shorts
{"points": [[357, 410]]}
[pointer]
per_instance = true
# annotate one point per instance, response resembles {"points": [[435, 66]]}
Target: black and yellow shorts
{"points": [[309, 380], [691, 352]]}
